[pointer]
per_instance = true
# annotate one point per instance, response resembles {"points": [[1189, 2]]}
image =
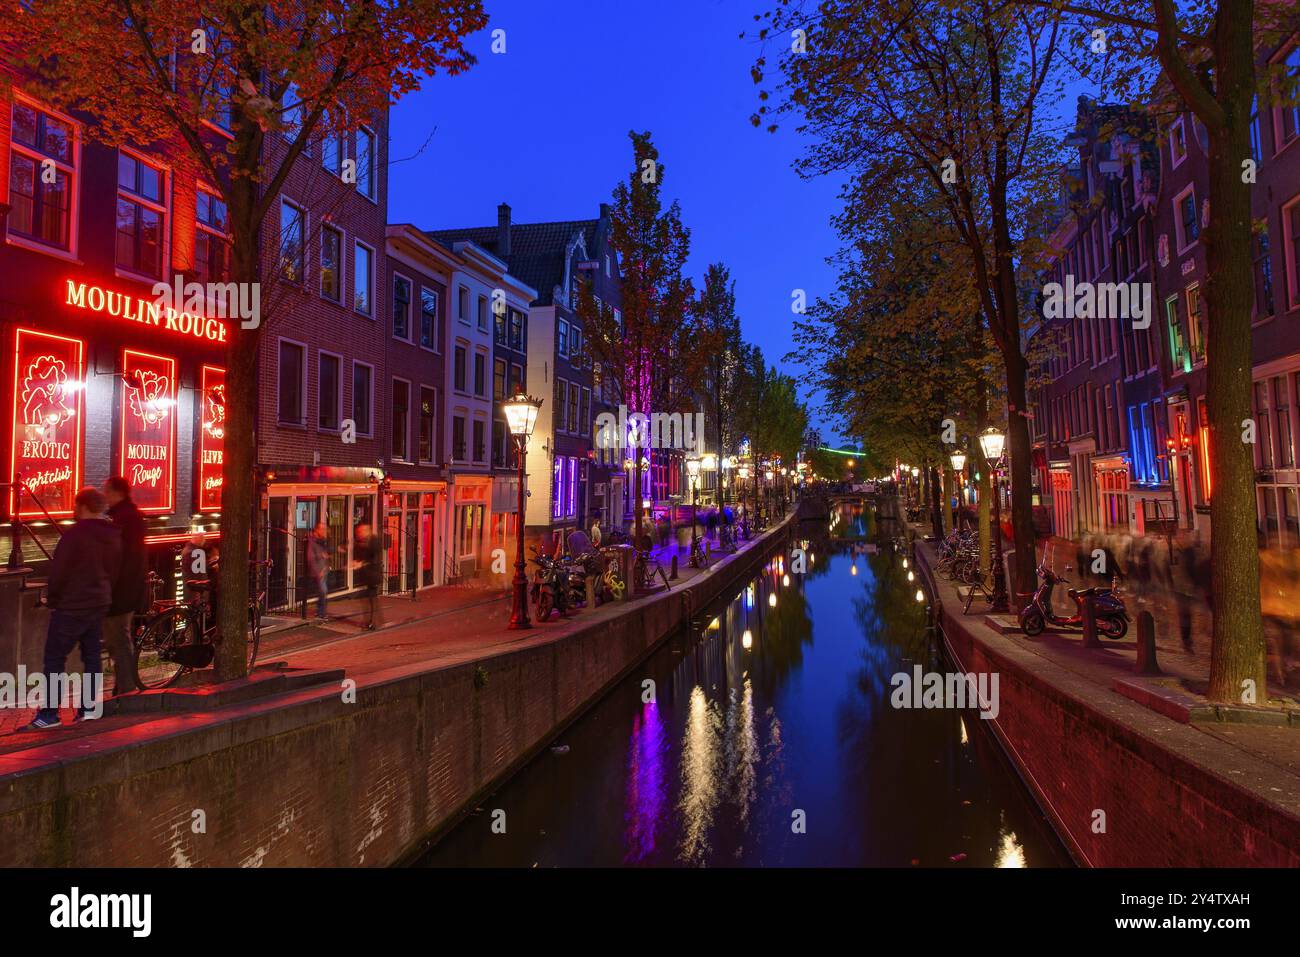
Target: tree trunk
{"points": [[936, 505], [945, 513], [984, 489], [1237, 656]]}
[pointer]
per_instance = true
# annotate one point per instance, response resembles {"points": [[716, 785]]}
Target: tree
{"points": [[1206, 51], [657, 352], [956, 93], [717, 310], [242, 88]]}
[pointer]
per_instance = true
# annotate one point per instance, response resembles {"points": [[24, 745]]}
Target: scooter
{"points": [[1111, 613], [550, 588]]}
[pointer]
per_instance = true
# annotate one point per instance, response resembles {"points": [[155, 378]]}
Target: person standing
{"points": [[79, 593], [595, 533], [129, 591], [318, 567], [368, 555]]}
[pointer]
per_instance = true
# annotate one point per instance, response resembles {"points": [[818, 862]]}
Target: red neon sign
{"points": [[49, 386], [212, 438], [148, 452], [122, 305]]}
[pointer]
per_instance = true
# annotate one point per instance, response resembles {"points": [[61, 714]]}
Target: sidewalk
{"points": [[446, 624]]}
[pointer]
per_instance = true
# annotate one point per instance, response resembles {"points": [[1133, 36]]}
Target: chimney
{"points": [[604, 211], [503, 231]]}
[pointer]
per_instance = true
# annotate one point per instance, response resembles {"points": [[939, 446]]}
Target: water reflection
{"points": [[775, 708]]}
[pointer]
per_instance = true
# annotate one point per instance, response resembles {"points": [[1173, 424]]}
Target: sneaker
{"points": [[81, 716], [41, 724]]}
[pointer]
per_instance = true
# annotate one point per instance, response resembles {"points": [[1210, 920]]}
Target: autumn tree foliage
{"points": [[955, 92], [657, 352], [242, 89]]}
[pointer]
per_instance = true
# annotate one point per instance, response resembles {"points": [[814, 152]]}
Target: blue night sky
{"points": [[544, 127]]}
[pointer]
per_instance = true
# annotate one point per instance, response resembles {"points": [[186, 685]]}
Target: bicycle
{"points": [[181, 636], [645, 567]]}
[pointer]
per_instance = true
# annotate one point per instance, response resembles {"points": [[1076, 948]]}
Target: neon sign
{"points": [[47, 405], [212, 438], [135, 309], [148, 449]]}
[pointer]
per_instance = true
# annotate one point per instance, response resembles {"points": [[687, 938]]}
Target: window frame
{"points": [[339, 268], [410, 301], [369, 430], [358, 245], [406, 423], [303, 233], [281, 342], [322, 354], [162, 206]]}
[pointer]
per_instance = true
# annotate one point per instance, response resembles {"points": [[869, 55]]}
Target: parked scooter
{"points": [[550, 589], [1111, 613]]}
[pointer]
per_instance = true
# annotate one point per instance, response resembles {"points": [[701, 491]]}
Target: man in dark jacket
{"points": [[368, 552], [128, 584], [80, 593]]}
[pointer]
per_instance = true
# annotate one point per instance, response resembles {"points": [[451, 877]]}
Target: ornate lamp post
{"points": [[991, 444], [693, 476], [521, 415], [709, 463], [726, 464], [742, 473], [770, 475], [958, 461]]}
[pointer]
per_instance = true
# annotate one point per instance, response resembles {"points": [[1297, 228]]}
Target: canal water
{"points": [[765, 735]]}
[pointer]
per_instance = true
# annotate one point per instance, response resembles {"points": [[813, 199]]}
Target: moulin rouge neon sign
{"points": [[120, 305], [47, 403]]}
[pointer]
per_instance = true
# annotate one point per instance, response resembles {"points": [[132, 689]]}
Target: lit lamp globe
{"points": [[991, 444], [693, 468], [958, 461], [915, 471], [521, 414], [768, 475], [743, 472], [709, 462]]}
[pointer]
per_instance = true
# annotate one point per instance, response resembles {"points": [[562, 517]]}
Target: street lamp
{"points": [[521, 415], [693, 475], [991, 444]]}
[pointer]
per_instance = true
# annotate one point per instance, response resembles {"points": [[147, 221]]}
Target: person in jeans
{"points": [[80, 593], [129, 596], [318, 566], [368, 554]]}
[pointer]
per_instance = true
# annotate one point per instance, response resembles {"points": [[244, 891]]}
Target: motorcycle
{"points": [[550, 588], [1111, 613]]}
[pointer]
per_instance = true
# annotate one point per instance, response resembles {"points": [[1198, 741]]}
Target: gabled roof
{"points": [[537, 250]]}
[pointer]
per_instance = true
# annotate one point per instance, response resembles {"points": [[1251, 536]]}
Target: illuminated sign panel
{"points": [[48, 395], [121, 305], [212, 438], [148, 454]]}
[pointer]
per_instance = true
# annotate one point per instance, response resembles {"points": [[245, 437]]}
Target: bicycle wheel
{"points": [[154, 651], [254, 632]]}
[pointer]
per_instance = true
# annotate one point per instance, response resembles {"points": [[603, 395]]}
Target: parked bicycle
{"points": [[182, 636]]}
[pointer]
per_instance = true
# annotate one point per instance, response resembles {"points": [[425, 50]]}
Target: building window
{"points": [[499, 319], [42, 211], [329, 392], [331, 260], [480, 375], [402, 308], [1180, 358], [292, 265], [557, 488], [1288, 111], [562, 338], [401, 419], [1195, 322], [1264, 424], [480, 444], [1186, 218], [429, 337], [141, 216], [428, 412], [292, 392], [458, 370], [362, 275], [362, 382], [499, 378], [516, 377], [1291, 229], [1263, 275], [498, 444], [366, 163], [458, 438], [575, 424], [462, 304], [561, 406], [584, 413], [516, 330], [332, 147], [1256, 142], [1282, 410], [482, 314], [211, 238], [1177, 143]]}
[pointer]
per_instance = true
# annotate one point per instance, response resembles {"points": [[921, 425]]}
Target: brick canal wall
{"points": [[306, 779], [1166, 788]]}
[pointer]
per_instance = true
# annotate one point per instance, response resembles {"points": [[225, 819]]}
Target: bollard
{"points": [[1090, 623], [673, 576], [591, 591], [1146, 645]]}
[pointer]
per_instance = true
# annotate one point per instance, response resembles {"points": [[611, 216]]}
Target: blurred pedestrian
{"points": [[129, 592], [318, 567], [194, 566], [80, 593], [368, 555]]}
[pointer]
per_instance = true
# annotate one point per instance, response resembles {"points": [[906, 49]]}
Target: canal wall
{"points": [[310, 778], [1169, 795]]}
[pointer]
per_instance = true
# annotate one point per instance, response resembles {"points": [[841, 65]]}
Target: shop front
{"points": [[413, 513], [295, 500], [104, 382], [472, 494]]}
